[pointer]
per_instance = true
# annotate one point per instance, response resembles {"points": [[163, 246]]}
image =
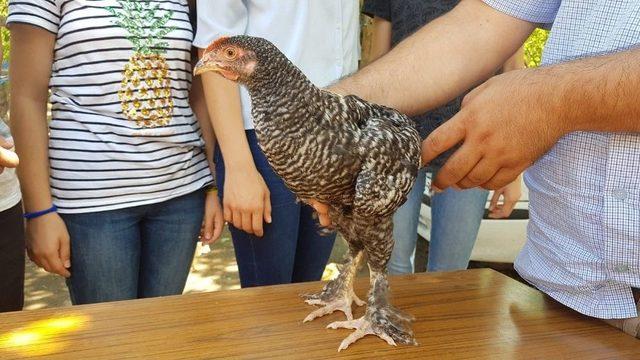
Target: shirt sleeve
{"points": [[535, 11], [41, 13], [379, 8], [219, 18]]}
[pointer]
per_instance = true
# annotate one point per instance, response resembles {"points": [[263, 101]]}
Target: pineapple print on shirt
{"points": [[145, 91]]}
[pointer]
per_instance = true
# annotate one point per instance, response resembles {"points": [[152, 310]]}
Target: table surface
{"points": [[465, 314]]}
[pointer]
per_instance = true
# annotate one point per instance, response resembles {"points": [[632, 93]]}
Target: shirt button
{"points": [[620, 194], [622, 268]]}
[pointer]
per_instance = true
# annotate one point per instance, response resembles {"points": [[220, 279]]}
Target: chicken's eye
{"points": [[230, 53]]}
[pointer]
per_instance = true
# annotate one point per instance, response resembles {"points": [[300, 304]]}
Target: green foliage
{"points": [[145, 24], [4, 33], [534, 46]]}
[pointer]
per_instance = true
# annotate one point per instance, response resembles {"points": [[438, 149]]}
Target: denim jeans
{"points": [[455, 220], [138, 252], [291, 248]]}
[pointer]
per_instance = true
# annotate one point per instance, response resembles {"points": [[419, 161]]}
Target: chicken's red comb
{"points": [[216, 43]]}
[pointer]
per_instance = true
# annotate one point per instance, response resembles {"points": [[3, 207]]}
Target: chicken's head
{"points": [[236, 57]]}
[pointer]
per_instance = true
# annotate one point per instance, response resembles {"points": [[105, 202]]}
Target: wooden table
{"points": [[460, 315]]}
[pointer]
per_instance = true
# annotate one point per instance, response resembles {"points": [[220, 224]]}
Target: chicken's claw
{"points": [[390, 326], [339, 301]]}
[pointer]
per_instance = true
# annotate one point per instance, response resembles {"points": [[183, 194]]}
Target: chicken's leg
{"points": [[381, 319], [338, 294]]}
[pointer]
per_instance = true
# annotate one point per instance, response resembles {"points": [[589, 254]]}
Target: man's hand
{"points": [[246, 201], [504, 125], [8, 159], [323, 212]]}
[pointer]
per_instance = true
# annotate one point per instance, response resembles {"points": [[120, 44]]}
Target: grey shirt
{"points": [[406, 17]]}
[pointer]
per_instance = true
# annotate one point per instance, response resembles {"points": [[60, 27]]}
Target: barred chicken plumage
{"points": [[359, 158]]}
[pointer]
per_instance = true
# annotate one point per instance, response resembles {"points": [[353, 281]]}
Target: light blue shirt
{"points": [[583, 245], [321, 37]]}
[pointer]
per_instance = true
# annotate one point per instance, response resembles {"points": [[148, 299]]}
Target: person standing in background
{"points": [[12, 248], [455, 214], [115, 185], [321, 38]]}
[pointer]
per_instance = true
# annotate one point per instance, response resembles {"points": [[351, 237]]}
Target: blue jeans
{"points": [[455, 220], [291, 248], [137, 252]]}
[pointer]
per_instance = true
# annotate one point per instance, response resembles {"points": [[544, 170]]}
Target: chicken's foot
{"points": [[381, 319], [337, 294]]}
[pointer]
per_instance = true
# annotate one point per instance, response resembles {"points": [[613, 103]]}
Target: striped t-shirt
{"points": [[122, 132]]}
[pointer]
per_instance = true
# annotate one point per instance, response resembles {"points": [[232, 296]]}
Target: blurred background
{"points": [[215, 268]]}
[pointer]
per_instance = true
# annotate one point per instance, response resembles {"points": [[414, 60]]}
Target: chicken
{"points": [[359, 158]]}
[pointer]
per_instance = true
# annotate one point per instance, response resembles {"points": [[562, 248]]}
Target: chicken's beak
{"points": [[202, 67]]}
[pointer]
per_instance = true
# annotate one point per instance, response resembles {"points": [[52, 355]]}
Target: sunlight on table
{"points": [[35, 338]]}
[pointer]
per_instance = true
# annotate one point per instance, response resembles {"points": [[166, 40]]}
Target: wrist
{"points": [[211, 188], [548, 99], [30, 215], [241, 168], [553, 92], [35, 206]]}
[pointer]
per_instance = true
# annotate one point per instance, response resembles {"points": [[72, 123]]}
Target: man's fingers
{"points": [[8, 158], [468, 99], [442, 139], [482, 172], [324, 219], [319, 207], [501, 179], [323, 212], [457, 167]]}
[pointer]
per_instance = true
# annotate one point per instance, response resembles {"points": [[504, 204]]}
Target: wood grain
{"points": [[473, 314]]}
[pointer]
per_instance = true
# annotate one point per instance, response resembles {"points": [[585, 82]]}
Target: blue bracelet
{"points": [[33, 215]]}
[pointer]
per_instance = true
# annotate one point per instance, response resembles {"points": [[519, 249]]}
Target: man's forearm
{"points": [[594, 94], [442, 60]]}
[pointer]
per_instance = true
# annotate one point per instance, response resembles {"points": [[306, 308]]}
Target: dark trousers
{"points": [[292, 248], [12, 251]]}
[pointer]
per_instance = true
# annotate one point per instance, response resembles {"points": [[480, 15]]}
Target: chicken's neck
{"points": [[283, 98]]}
